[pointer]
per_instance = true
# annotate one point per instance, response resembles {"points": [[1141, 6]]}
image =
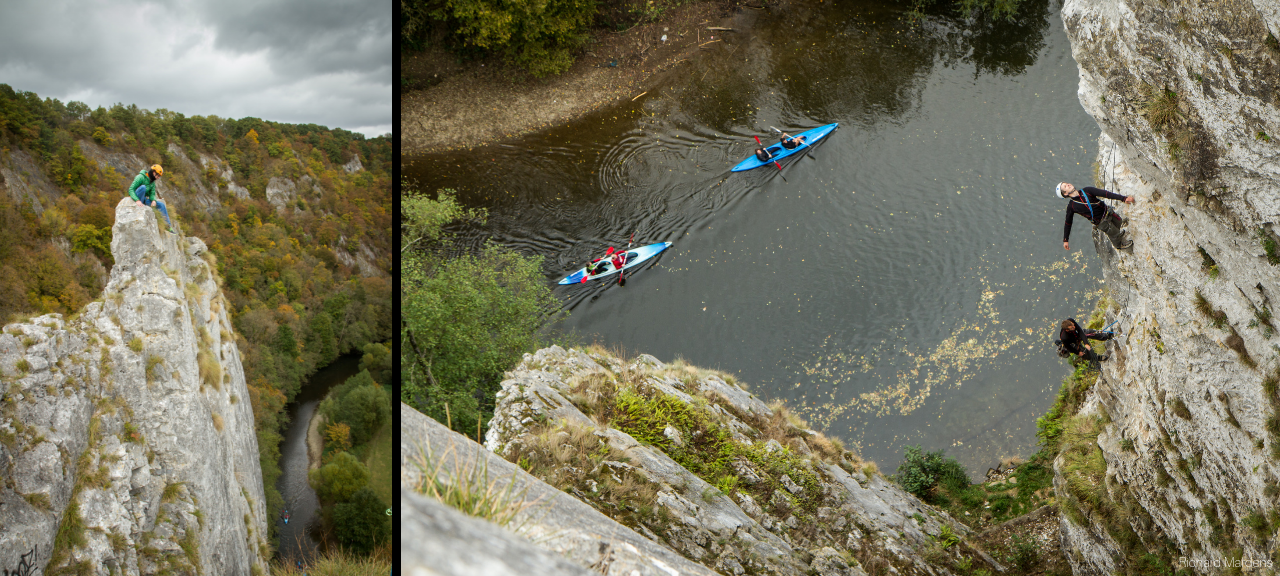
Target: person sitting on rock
{"points": [[1087, 202], [790, 142], [1075, 340], [143, 191]]}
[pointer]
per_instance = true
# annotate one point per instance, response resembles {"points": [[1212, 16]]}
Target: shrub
{"points": [[136, 344], [921, 471], [1024, 553]]}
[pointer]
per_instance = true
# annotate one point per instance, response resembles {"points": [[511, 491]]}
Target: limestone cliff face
{"points": [[1187, 95], [127, 439]]}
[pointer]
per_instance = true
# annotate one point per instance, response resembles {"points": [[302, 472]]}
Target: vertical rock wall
{"points": [[1187, 96], [127, 439]]}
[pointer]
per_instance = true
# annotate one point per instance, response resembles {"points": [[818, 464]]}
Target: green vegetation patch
{"points": [[708, 450], [943, 482], [1270, 246]]}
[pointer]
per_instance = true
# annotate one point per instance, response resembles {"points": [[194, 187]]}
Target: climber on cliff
{"points": [[1073, 339], [143, 191], [1088, 203]]}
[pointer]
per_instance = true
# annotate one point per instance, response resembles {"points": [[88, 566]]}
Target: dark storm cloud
{"points": [[323, 62]]}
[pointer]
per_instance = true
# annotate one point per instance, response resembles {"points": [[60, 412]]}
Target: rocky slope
{"points": [[127, 440], [687, 462], [1184, 418]]}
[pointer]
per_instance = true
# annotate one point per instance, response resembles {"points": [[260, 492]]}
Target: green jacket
{"points": [[143, 180]]}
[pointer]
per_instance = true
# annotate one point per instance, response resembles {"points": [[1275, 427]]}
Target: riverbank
{"points": [[315, 442], [485, 101]]}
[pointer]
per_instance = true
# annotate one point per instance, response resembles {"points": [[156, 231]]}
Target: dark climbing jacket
{"points": [[1090, 206], [1072, 341]]}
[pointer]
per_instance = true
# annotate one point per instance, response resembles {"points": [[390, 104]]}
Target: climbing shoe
{"points": [[1104, 357], [1126, 245], [170, 229]]}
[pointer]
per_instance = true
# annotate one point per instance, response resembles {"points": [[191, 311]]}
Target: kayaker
{"points": [[1087, 202], [790, 142], [1075, 340], [619, 259], [763, 155], [600, 264]]}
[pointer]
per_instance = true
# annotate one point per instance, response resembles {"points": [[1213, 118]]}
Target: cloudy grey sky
{"points": [[323, 62]]}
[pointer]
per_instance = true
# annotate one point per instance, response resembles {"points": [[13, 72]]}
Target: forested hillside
{"points": [[298, 217]]}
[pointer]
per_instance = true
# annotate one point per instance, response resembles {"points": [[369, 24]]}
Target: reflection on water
{"points": [[898, 287]]}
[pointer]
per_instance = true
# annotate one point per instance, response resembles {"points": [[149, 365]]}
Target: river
{"points": [[901, 286], [296, 540]]}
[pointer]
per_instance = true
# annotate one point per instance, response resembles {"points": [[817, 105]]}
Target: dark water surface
{"points": [[296, 541], [902, 286]]}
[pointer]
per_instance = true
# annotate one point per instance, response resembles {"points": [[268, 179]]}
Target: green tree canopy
{"points": [[339, 479], [537, 35], [377, 360], [464, 319], [359, 403], [361, 523]]}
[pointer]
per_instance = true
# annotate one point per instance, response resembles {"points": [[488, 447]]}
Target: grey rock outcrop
{"points": [[354, 165], [440, 541], [555, 520], [793, 528], [1186, 97], [129, 424], [281, 192], [25, 181]]}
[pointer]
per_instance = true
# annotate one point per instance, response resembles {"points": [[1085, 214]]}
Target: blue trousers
{"points": [[163, 210]]}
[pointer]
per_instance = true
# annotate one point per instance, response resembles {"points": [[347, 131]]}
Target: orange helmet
{"points": [[157, 169]]}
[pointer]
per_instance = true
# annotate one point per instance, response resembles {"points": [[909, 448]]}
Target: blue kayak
{"points": [[634, 258], [779, 152]]}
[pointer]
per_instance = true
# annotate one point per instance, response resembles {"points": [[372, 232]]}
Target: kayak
{"points": [[779, 152], [634, 258]]}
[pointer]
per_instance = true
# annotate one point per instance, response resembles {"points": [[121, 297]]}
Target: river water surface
{"points": [[901, 286], [296, 541]]}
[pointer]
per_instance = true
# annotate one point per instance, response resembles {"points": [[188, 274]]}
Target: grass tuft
{"points": [[1161, 108], [1218, 317], [210, 369], [467, 488]]}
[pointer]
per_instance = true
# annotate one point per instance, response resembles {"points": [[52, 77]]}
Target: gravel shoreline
{"points": [[315, 442], [486, 102]]}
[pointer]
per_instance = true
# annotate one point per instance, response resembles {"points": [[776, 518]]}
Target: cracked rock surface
{"points": [[130, 423]]}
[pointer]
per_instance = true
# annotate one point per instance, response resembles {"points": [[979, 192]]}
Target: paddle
{"points": [[807, 150], [766, 151], [622, 272]]}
